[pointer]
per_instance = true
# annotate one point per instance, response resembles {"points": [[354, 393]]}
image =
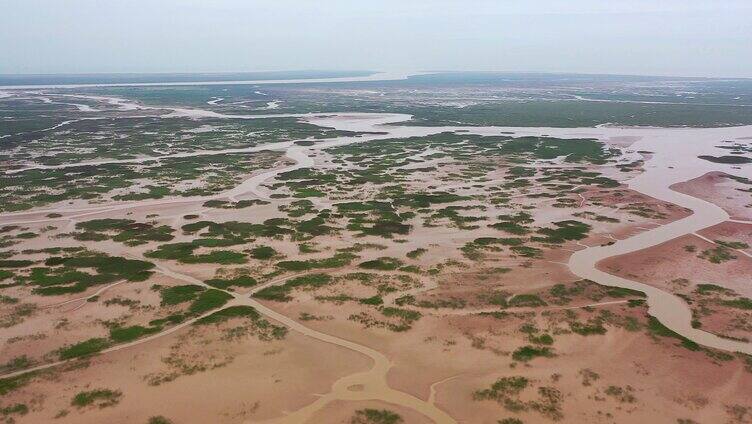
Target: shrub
{"points": [[223, 257], [10, 384], [178, 294], [242, 281], [624, 292], [16, 408], [414, 254], [526, 300], [127, 334], [99, 397], [85, 348], [543, 339], [717, 255], [263, 252], [404, 314], [565, 230], [376, 416], [280, 293], [657, 328], [208, 300], [741, 303], [275, 293], [336, 261], [9, 263], [527, 353], [591, 328], [373, 300], [526, 251], [382, 264]]}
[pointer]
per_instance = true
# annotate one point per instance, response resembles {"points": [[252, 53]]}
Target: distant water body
{"points": [[114, 80]]}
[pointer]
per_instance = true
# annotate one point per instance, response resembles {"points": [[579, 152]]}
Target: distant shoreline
{"points": [[372, 76]]}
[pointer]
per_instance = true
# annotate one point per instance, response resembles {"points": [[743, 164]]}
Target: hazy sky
{"points": [[682, 37]]}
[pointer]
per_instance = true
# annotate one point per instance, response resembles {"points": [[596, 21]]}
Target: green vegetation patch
{"points": [[573, 150], [128, 334], [85, 348], [338, 260], [14, 409], [62, 275], [526, 251], [406, 317], [263, 252], [508, 391], [727, 159], [717, 255], [101, 398], [17, 363], [11, 263], [707, 288], [313, 227], [590, 328], [741, 303], [733, 244], [527, 353], [178, 294], [224, 284], [202, 300], [183, 252], [240, 311], [424, 200], [159, 419], [226, 204], [382, 264], [526, 300], [10, 384], [376, 416], [656, 328], [373, 300], [211, 173], [564, 231], [208, 300], [619, 292], [514, 224], [240, 230], [415, 254], [262, 328], [298, 208], [374, 218], [471, 250], [542, 339], [281, 293], [503, 387], [125, 231]]}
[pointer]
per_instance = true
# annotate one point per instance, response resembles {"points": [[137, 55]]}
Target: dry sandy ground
{"points": [[447, 355], [730, 231], [257, 380], [667, 381], [251, 380], [719, 189], [676, 267], [340, 412], [661, 265], [262, 378]]}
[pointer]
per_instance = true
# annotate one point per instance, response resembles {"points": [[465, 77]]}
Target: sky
{"points": [[669, 37]]}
